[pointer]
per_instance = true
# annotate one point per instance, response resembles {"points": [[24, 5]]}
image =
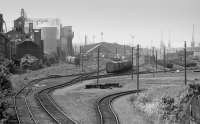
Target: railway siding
{"points": [[104, 107]]}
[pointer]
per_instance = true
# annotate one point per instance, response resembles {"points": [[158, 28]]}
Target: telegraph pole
{"points": [[81, 56], [138, 54], [153, 62], [98, 66], [164, 59], [81, 59], [85, 40], [116, 52], [185, 52], [156, 61], [124, 50], [132, 63], [132, 56]]}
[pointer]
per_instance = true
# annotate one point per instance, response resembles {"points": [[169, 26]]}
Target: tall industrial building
{"points": [[66, 37], [50, 30], [49, 38]]}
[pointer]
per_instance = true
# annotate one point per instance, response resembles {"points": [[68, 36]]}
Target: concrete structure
{"points": [[50, 40], [66, 39]]}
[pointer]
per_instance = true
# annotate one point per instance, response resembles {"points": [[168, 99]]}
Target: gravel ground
{"points": [[20, 80], [79, 103]]}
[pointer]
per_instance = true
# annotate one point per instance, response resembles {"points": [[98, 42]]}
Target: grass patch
{"points": [[162, 104]]}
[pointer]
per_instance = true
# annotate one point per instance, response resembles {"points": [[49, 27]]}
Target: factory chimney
{"points": [[169, 40], [193, 42], [22, 13]]}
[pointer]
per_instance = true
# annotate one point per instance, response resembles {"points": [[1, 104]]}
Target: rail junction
{"points": [[25, 115]]}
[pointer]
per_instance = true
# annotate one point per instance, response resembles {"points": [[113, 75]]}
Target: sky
{"points": [[132, 22]]}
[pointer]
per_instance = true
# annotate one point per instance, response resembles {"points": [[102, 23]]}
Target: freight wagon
{"points": [[118, 66]]}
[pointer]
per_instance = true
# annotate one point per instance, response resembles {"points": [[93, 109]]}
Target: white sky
{"points": [[118, 19]]}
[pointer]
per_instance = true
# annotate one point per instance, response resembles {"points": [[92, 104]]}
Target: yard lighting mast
{"points": [[132, 36]]}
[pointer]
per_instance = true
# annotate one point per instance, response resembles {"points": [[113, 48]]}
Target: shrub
{"points": [[9, 65], [5, 83]]}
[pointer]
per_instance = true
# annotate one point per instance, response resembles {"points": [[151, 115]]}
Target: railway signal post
{"points": [[185, 52], [138, 54], [98, 65]]}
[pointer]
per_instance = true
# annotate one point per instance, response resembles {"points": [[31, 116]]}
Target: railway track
{"points": [[48, 104], [21, 104], [104, 107], [23, 108]]}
